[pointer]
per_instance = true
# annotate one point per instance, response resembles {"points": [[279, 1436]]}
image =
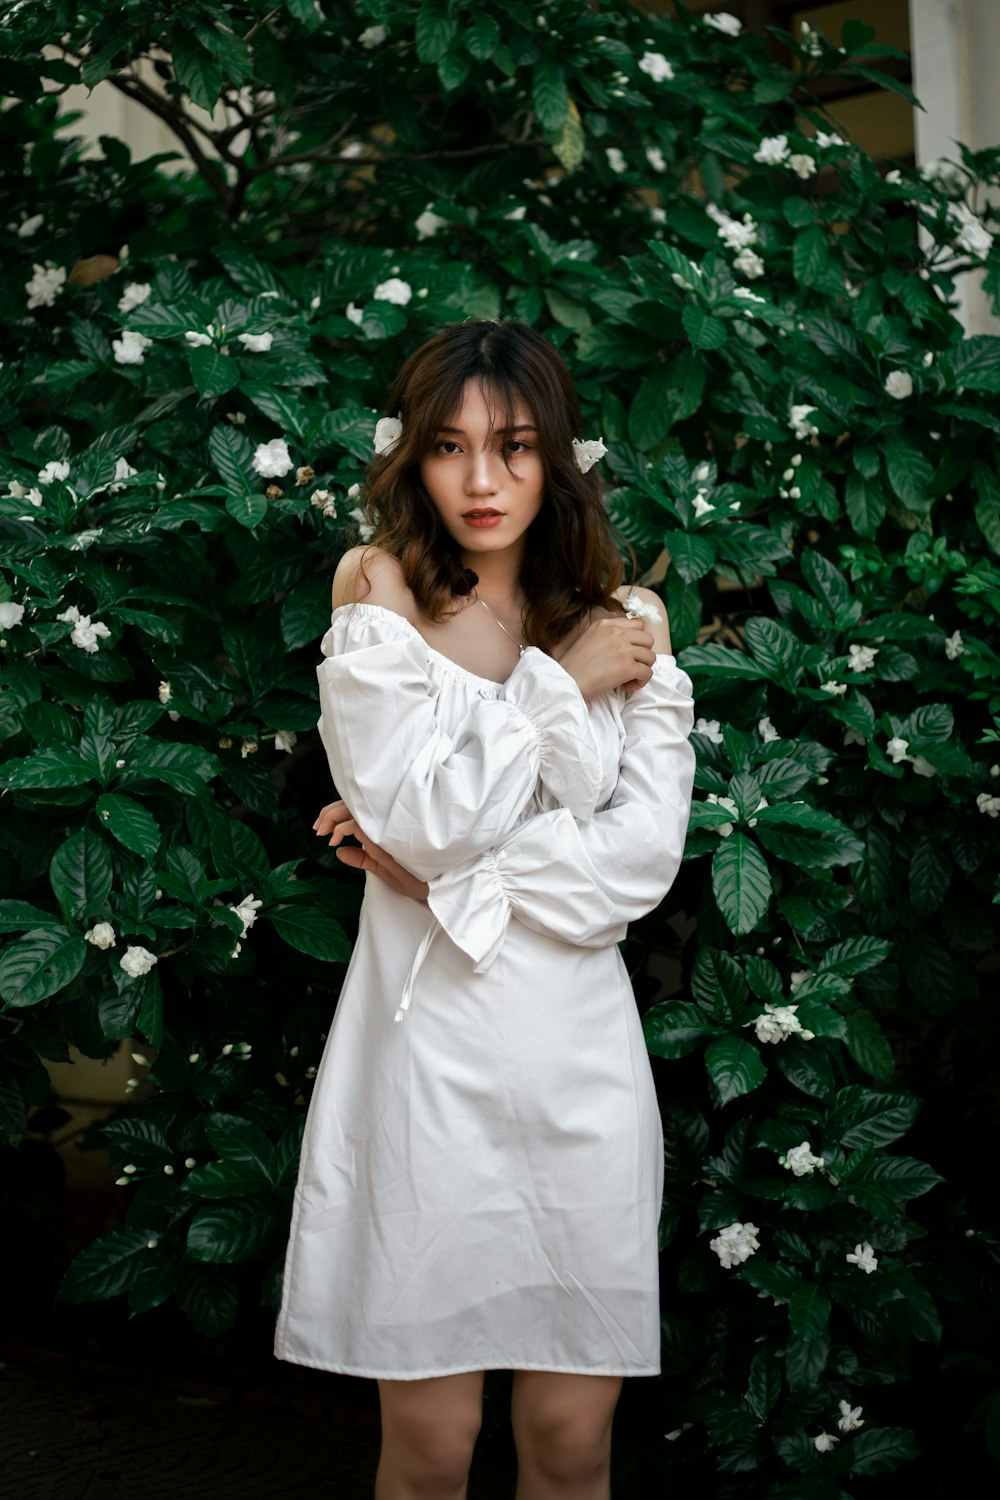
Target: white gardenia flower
{"points": [[284, 739], [163, 692], [777, 1024], [372, 36], [428, 224], [85, 634], [641, 609], [711, 729], [953, 646], [256, 343], [826, 1442], [702, 473], [798, 978], [517, 213], [137, 961], [895, 177], [393, 290], [272, 460], [134, 295], [946, 173], [367, 531], [354, 314], [767, 731], [749, 264], [864, 1258], [826, 139], [897, 749], [587, 454], [835, 689], [324, 501], [656, 65], [29, 226], [70, 615], [616, 159], [800, 1160], [734, 233], [811, 40], [735, 1244], [53, 472], [198, 340], [772, 150], [102, 935], [989, 806], [123, 471], [802, 165], [850, 1417], [861, 658], [746, 295], [10, 615], [899, 383], [388, 431], [973, 237], [723, 21], [799, 423], [701, 506], [131, 348], [656, 159], [45, 285], [247, 912]]}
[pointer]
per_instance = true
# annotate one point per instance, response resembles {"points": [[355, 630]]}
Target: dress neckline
{"points": [[408, 626]]}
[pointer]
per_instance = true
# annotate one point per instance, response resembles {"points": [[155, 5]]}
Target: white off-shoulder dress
{"points": [[482, 1164]]}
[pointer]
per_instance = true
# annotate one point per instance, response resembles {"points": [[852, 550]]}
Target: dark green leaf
{"points": [[734, 1066]]}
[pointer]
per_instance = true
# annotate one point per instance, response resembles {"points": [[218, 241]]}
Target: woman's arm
{"points": [[429, 798], [584, 882]]}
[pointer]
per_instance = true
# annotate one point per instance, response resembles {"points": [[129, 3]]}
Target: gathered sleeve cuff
{"points": [[583, 882]]}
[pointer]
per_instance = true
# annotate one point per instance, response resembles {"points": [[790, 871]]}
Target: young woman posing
{"points": [[482, 1166]]}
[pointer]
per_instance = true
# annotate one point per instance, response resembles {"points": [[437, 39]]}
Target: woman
{"points": [[482, 1165]]}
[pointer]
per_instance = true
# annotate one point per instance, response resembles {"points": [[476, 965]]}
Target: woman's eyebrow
{"points": [[521, 427]]}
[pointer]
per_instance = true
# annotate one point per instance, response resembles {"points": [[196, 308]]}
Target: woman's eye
{"points": [[514, 443]]}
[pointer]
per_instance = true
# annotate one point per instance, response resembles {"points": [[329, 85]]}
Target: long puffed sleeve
{"points": [[433, 799], [584, 882]]}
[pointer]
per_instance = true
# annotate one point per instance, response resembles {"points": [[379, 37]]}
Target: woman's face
{"points": [[485, 507]]}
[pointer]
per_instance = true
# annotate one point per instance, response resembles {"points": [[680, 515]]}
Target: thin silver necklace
{"points": [[521, 649]]}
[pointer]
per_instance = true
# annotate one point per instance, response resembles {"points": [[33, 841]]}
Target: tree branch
{"points": [[157, 104]]}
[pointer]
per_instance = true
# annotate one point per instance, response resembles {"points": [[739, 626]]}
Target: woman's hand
{"points": [[610, 653], [336, 818]]}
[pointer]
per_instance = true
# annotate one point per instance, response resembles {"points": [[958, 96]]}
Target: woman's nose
{"points": [[482, 474]]}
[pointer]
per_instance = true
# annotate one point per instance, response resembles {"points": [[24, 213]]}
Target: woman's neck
{"points": [[498, 574]]}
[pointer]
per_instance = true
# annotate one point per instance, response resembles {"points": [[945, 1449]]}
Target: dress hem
{"points": [[466, 1369]]}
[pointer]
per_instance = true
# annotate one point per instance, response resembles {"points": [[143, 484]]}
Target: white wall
{"points": [[955, 45]]}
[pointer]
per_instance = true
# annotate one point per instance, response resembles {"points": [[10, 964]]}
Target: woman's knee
{"points": [[562, 1426], [429, 1432]]}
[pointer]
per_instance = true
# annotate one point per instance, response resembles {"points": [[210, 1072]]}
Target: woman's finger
{"points": [[330, 816]]}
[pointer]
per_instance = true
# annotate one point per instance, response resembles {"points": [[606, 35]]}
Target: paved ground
{"points": [[69, 1432]]}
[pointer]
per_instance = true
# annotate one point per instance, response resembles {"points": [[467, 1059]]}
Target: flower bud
{"points": [[168, 1170], [190, 1162]]}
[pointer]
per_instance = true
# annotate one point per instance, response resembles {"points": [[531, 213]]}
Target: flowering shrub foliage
{"points": [[790, 410]]}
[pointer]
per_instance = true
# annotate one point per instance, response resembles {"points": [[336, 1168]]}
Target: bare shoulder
{"points": [[369, 575], [661, 629]]}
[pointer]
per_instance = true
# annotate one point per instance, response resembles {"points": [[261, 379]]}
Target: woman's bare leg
{"points": [[429, 1429], [562, 1429]]}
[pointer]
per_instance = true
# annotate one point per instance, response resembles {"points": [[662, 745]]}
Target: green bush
{"points": [[792, 412]]}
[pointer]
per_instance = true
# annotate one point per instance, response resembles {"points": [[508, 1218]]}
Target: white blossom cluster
{"points": [[735, 1244], [801, 1161], [777, 1023], [898, 750]]}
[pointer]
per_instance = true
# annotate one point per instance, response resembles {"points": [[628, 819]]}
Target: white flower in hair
{"points": [[587, 454], [388, 431], [642, 609]]}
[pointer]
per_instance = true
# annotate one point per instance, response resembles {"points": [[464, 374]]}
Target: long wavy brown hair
{"points": [[571, 564]]}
